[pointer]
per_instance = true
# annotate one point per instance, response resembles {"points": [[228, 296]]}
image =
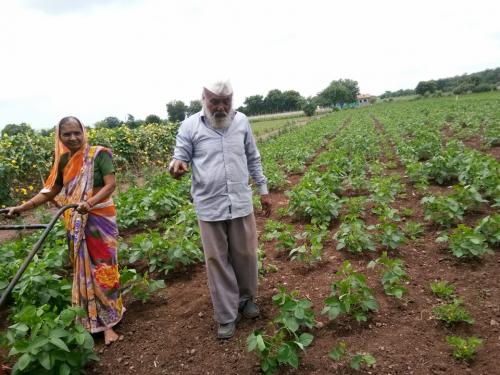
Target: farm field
{"points": [[383, 242], [264, 127]]}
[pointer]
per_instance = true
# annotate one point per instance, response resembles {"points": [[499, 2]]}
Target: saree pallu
{"points": [[93, 251]]}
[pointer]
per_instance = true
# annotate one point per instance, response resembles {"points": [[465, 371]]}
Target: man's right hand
{"points": [[178, 168]]}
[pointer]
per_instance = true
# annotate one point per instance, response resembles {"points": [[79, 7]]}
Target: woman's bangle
{"points": [[90, 204]]}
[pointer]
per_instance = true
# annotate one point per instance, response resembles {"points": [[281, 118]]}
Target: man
{"points": [[219, 144]]}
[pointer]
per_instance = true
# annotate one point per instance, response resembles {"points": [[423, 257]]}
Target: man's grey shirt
{"points": [[222, 161]]}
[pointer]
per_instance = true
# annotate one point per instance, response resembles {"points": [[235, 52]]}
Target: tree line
{"points": [[483, 81], [276, 101]]}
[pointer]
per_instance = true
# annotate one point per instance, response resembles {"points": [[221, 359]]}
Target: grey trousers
{"points": [[230, 248]]}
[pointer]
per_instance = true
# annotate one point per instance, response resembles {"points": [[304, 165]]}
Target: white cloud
{"points": [[109, 58]]}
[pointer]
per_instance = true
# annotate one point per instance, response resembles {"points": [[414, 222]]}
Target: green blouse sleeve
{"points": [[60, 168], [105, 164]]}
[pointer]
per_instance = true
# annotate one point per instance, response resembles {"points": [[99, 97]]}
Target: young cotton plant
{"points": [[468, 197], [390, 236], [354, 236], [355, 206], [464, 348], [445, 211], [49, 343], [443, 289], [413, 230], [318, 205], [283, 345], [466, 243], [356, 361], [350, 295], [489, 227], [385, 189], [311, 250], [281, 232], [393, 275], [263, 268], [140, 286], [452, 313]]}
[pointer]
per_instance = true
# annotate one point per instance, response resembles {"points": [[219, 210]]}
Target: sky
{"points": [[99, 58]]}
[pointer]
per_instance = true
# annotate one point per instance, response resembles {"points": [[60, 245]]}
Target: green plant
{"points": [[281, 232], [311, 250], [393, 276], [140, 286], [464, 348], [281, 212], [385, 189], [444, 211], [264, 268], [489, 227], [413, 229], [321, 206], [356, 361], [390, 236], [350, 295], [452, 313], [282, 346], [386, 213], [355, 206], [468, 196], [353, 236], [465, 242], [407, 212], [49, 343], [443, 289]]}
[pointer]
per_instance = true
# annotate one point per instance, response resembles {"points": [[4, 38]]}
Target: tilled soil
{"points": [[175, 333]]}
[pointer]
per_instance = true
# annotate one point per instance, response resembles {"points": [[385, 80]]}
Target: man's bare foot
{"points": [[110, 336]]}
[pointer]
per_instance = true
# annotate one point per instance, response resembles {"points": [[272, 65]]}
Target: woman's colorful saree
{"points": [[93, 244]]}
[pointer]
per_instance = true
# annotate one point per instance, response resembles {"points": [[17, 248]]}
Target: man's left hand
{"points": [[266, 203]]}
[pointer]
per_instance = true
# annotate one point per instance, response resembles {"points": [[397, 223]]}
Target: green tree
{"points": [[292, 101], [109, 122], [274, 101], [131, 122], [152, 119], [176, 110], [426, 86], [13, 129], [254, 105], [341, 91], [309, 108], [194, 107]]}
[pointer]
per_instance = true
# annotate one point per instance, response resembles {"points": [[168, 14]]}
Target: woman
{"points": [[84, 175]]}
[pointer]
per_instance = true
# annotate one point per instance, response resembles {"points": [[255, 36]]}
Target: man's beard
{"points": [[220, 120]]}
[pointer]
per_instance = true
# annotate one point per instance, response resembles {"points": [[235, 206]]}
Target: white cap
{"points": [[221, 88]]}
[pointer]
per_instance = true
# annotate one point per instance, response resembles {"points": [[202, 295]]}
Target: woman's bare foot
{"points": [[110, 336]]}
